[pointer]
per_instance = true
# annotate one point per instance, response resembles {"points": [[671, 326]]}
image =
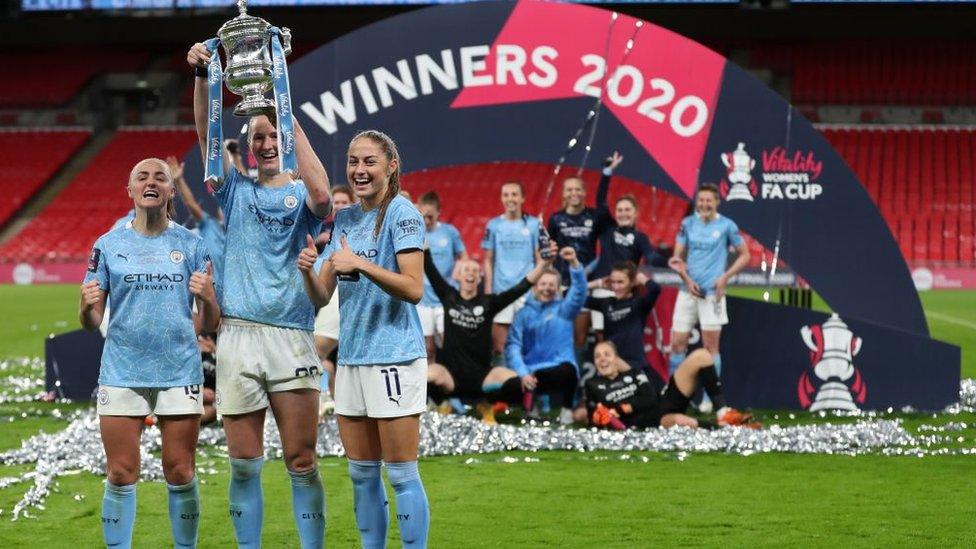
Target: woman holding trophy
{"points": [[265, 353]]}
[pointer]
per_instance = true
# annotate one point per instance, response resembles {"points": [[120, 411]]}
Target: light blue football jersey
{"points": [[375, 327], [708, 247], [120, 222], [265, 232], [151, 341], [214, 238], [514, 244], [445, 246]]}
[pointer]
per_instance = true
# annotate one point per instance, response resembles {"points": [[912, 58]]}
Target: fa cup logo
{"points": [[739, 184], [835, 384]]}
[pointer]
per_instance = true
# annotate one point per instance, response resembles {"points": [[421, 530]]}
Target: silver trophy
{"points": [[246, 43]]}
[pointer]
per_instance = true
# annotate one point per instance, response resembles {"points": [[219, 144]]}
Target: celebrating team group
{"points": [[402, 275]]}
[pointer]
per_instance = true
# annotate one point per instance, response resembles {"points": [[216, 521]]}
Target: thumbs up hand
{"points": [[201, 284], [308, 255], [345, 261]]}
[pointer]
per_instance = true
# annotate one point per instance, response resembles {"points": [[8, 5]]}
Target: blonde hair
{"points": [[393, 185], [170, 202]]}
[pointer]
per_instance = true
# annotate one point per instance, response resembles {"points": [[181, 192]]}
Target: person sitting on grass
{"points": [[540, 342], [619, 397], [464, 366]]}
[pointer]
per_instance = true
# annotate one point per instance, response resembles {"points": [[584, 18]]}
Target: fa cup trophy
{"points": [[255, 52]]}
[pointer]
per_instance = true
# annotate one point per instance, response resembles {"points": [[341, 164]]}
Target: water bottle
{"points": [[544, 252]]}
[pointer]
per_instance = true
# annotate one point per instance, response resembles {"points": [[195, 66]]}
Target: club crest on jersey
{"points": [[588, 223], [176, 256], [525, 231], [478, 310], [290, 201], [102, 396], [442, 242]]}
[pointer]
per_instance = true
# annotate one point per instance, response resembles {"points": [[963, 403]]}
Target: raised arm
{"points": [[603, 189], [199, 57], [647, 299], [488, 265], [312, 173], [506, 298], [576, 297], [232, 157], [190, 201], [437, 282]]}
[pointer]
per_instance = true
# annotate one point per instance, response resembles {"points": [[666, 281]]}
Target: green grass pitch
{"points": [[552, 499]]}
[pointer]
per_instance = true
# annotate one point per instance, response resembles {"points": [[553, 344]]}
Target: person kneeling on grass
{"points": [[540, 341], [619, 397]]}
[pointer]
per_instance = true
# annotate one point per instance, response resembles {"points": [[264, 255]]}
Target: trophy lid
{"points": [[243, 24]]}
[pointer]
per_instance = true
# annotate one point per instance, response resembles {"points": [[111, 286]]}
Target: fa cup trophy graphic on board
{"points": [[832, 381], [739, 167], [255, 51]]}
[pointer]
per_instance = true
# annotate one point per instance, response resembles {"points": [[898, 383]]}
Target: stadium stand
{"points": [[36, 88], [65, 230], [922, 180], [866, 72], [40, 153]]}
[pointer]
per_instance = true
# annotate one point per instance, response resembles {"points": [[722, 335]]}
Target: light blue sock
{"points": [[413, 512], [118, 514], [184, 513], [308, 507], [370, 503], [674, 361], [246, 501]]}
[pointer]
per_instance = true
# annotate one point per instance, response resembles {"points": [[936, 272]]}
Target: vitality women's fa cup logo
{"points": [[739, 184], [835, 384]]}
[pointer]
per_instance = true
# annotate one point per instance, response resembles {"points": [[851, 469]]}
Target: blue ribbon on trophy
{"points": [[256, 63], [215, 109], [282, 91]]}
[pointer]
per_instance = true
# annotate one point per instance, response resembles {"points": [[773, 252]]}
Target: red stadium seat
{"points": [[66, 228], [35, 86], [922, 181], [873, 72], [40, 153]]}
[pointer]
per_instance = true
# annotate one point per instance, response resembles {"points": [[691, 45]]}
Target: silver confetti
{"points": [[78, 448]]}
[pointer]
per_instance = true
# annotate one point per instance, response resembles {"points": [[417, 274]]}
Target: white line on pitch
{"points": [[952, 319]]}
